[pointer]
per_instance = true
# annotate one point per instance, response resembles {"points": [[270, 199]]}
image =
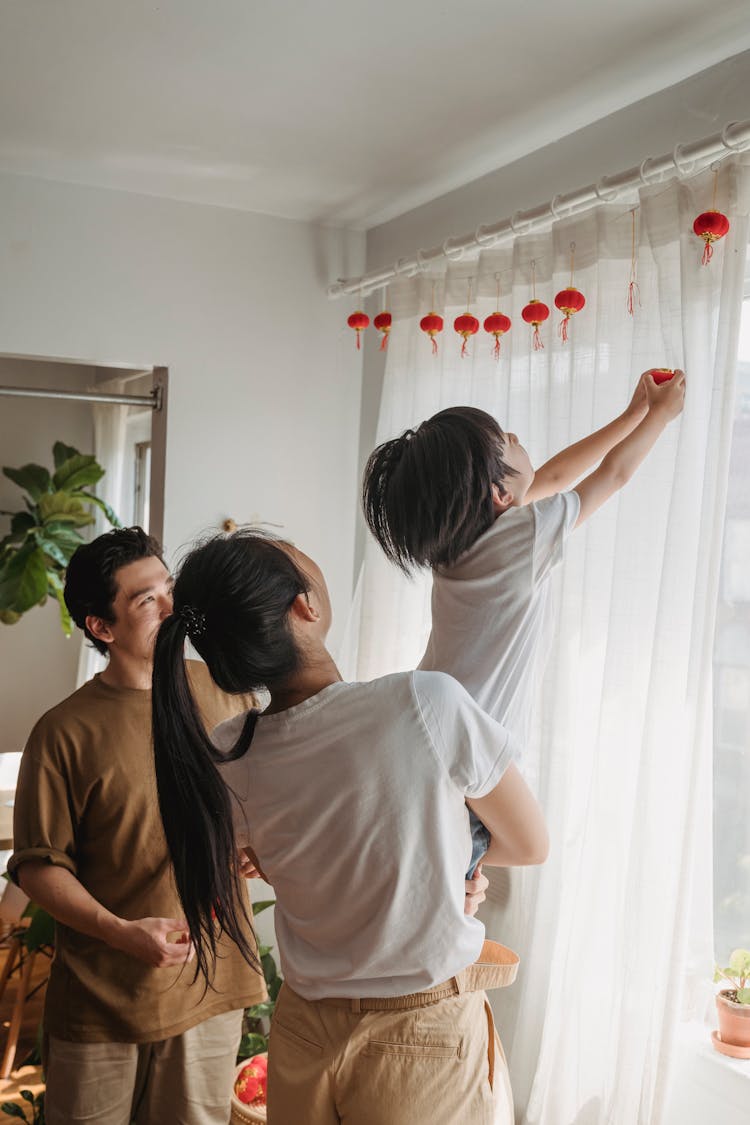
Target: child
{"points": [[461, 496]]}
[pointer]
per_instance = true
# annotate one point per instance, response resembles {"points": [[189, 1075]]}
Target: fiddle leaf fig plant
{"points": [[738, 974], [44, 534]]}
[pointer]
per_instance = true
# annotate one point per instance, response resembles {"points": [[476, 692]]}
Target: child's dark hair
{"points": [[90, 580], [231, 598], [427, 495]]}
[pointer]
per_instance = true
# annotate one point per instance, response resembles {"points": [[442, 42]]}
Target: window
{"points": [[732, 686]]}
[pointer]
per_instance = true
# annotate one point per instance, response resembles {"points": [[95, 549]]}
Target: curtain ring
{"points": [[453, 255], [514, 224], [642, 172], [676, 157], [403, 268], [421, 265], [727, 143], [553, 204], [600, 191], [483, 239]]}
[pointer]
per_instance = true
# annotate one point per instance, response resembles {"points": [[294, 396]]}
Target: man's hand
{"points": [[475, 889], [160, 942]]}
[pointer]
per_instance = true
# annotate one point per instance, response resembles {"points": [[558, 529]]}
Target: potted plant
{"points": [[249, 1093], [43, 536], [733, 1005], [36, 1105]]}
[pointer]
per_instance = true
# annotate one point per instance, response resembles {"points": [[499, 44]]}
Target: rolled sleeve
{"points": [[43, 827]]}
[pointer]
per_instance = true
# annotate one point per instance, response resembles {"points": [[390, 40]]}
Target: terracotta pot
{"points": [[734, 1020], [244, 1114]]}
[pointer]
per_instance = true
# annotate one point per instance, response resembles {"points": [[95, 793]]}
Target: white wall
{"points": [[264, 380], [37, 662]]}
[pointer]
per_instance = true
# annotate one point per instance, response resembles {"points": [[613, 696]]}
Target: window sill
{"points": [[706, 1085]]}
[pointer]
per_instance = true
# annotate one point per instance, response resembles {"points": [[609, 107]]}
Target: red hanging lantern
{"points": [[497, 324], [383, 323], [535, 313], [358, 321], [710, 226], [466, 325], [432, 324], [568, 301]]}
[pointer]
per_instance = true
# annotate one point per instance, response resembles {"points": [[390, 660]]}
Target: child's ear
{"points": [[501, 499], [302, 608]]}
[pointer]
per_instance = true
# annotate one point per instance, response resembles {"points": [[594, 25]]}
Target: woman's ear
{"points": [[303, 609], [501, 499]]}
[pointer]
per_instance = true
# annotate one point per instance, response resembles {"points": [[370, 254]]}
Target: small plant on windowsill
{"points": [[249, 1100], [733, 1005]]}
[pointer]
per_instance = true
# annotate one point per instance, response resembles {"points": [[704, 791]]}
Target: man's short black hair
{"points": [[90, 585], [427, 495]]}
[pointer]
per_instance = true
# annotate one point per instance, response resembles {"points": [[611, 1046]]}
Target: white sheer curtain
{"points": [[619, 747], [110, 433]]}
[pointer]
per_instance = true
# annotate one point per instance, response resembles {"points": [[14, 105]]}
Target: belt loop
{"points": [[356, 1005], [458, 983]]}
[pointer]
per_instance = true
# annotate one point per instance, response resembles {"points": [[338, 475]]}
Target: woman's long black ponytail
{"points": [[232, 597]]}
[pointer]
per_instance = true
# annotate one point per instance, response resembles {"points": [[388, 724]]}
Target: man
{"points": [[130, 1035]]}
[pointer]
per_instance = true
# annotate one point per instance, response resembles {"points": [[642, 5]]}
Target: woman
{"points": [[352, 798]]}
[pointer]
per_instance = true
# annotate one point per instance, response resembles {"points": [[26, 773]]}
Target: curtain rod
{"points": [[733, 137], [152, 400]]}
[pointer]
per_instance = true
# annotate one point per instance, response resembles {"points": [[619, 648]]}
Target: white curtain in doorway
{"points": [[110, 450], [618, 922]]}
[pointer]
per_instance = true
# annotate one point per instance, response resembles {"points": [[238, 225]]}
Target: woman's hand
{"points": [[475, 889]]}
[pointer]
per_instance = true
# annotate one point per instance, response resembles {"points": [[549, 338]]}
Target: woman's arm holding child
{"points": [[565, 467]]}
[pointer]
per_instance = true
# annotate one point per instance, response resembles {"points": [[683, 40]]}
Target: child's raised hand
{"points": [[638, 405], [669, 396]]}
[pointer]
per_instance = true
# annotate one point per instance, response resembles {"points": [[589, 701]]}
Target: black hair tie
{"points": [[195, 621]]}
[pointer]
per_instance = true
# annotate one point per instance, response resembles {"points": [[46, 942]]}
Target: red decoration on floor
{"points": [[431, 325], [383, 323], [710, 226], [466, 325], [497, 324], [358, 321], [535, 313]]}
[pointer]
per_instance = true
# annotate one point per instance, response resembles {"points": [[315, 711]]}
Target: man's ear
{"points": [[99, 628], [501, 499], [302, 608]]}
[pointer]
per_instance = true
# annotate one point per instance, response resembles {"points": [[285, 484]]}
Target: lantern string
{"points": [[634, 293], [716, 185], [572, 261]]}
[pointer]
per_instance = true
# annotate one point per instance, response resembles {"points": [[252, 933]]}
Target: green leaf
{"points": [[33, 478], [57, 590], [258, 1011], [21, 523], [65, 537], [739, 963], [251, 1044], [63, 453], [77, 471], [41, 931], [9, 616], [13, 1110], [23, 579], [62, 507], [91, 499], [274, 988], [743, 995], [27, 1096], [259, 907]]}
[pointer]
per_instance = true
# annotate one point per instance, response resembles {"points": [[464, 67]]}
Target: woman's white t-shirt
{"points": [[353, 802], [489, 610]]}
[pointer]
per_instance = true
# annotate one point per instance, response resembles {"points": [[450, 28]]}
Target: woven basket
{"points": [[244, 1114]]}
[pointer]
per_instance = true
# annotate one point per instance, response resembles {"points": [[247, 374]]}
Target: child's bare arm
{"points": [[665, 402], [567, 466]]}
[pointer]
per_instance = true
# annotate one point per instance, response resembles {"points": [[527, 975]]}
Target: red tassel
{"points": [[464, 349], [496, 349], [538, 342], [634, 294], [708, 252], [359, 345], [384, 342], [563, 329], [434, 346]]}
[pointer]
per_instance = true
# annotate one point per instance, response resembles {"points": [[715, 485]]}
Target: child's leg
{"points": [[480, 842]]}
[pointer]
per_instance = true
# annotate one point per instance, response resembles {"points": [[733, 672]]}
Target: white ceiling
{"points": [[336, 111]]}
